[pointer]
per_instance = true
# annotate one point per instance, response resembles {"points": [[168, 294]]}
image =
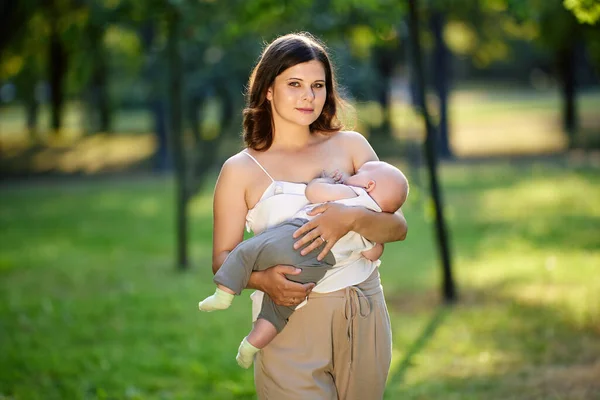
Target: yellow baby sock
{"points": [[245, 355], [218, 301]]}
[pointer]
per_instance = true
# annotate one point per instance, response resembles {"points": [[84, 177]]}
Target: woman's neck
{"points": [[291, 137]]}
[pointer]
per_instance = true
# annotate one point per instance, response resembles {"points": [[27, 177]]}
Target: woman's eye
{"points": [[319, 85], [295, 84]]}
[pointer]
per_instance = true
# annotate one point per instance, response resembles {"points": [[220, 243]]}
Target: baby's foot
{"points": [[245, 355], [218, 301]]}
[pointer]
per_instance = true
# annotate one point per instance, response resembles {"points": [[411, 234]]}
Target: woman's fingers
{"points": [[308, 239], [309, 226], [287, 269], [306, 289], [285, 292], [326, 250], [296, 293], [318, 209], [316, 242], [330, 223]]}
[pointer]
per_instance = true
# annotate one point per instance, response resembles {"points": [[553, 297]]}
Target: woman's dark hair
{"points": [[283, 53]]}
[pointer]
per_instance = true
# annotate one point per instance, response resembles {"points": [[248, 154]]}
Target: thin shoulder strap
{"points": [[257, 163]]}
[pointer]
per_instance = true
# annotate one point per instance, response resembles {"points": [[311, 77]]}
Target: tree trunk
{"points": [[566, 69], [58, 60], [99, 80], [448, 287], [14, 16], [196, 104], [156, 103], [206, 152], [32, 108], [385, 62], [29, 82], [176, 135], [162, 158], [441, 59]]}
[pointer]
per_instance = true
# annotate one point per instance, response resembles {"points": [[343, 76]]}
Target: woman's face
{"points": [[298, 94]]}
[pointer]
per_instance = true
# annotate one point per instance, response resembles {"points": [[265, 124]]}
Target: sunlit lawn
{"points": [[504, 120], [484, 120], [92, 307]]}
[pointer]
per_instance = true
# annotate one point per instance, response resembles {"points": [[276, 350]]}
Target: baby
{"points": [[376, 185]]}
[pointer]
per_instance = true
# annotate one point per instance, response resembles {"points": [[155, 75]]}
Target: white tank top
{"points": [[349, 247], [280, 201]]}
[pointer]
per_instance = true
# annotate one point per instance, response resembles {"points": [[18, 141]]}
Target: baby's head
{"points": [[385, 183]]}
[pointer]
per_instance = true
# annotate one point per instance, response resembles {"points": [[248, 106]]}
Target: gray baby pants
{"points": [[272, 247]]}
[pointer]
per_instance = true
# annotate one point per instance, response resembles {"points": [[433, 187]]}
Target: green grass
{"points": [[91, 306]]}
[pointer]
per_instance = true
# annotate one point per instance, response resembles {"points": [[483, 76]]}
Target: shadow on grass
{"points": [[536, 213], [419, 344], [496, 343], [554, 382]]}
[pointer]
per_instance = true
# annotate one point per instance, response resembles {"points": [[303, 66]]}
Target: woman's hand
{"points": [[334, 221], [282, 291]]}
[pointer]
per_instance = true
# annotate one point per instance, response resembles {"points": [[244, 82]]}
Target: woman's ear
{"points": [[370, 186], [270, 94]]}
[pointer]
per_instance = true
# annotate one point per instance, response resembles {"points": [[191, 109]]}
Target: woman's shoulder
{"points": [[238, 164], [348, 135], [350, 138], [355, 143], [240, 158]]}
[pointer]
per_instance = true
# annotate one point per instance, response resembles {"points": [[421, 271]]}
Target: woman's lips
{"points": [[305, 110]]}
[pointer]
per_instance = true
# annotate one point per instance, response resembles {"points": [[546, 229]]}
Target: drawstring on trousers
{"points": [[354, 304]]}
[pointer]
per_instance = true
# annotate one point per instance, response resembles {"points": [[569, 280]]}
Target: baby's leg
{"points": [[233, 275], [271, 247], [261, 335], [221, 300]]}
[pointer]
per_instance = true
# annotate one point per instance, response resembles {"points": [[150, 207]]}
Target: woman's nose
{"points": [[309, 94]]}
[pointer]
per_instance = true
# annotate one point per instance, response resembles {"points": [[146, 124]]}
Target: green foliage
{"points": [[92, 308], [586, 11]]}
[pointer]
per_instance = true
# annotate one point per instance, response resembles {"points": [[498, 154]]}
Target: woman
{"points": [[338, 345]]}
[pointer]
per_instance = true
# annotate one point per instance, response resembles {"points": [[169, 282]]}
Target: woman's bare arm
{"points": [[229, 210], [333, 221], [229, 217]]}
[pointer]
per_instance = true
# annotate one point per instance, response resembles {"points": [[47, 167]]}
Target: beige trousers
{"points": [[338, 346]]}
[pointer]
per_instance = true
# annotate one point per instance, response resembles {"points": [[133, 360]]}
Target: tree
{"points": [[448, 286], [100, 104], [176, 132], [23, 62], [563, 34], [586, 11], [441, 72], [58, 63], [208, 27]]}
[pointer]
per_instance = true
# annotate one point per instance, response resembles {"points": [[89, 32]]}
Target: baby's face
{"points": [[362, 176], [384, 183]]}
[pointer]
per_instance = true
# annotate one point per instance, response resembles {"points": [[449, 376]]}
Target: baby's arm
{"points": [[375, 253], [320, 190]]}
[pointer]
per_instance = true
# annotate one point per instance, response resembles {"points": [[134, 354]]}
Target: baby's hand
{"points": [[336, 175]]}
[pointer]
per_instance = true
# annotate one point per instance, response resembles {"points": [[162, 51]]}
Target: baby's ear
{"points": [[370, 186]]}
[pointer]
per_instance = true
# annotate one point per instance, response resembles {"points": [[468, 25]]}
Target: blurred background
{"points": [[116, 115]]}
